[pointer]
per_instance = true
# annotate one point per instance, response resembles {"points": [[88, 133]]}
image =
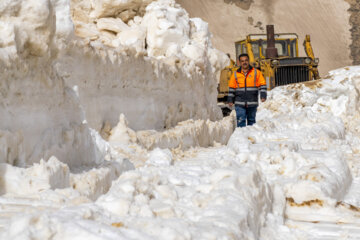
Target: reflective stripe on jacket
{"points": [[244, 90]]}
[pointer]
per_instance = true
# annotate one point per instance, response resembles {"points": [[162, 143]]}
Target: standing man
{"points": [[244, 86]]}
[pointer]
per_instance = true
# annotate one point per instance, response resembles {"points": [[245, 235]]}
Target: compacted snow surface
{"points": [[107, 135], [293, 175]]}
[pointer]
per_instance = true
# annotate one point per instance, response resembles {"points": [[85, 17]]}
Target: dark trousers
{"points": [[245, 113]]}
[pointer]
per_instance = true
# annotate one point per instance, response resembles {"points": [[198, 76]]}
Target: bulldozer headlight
{"points": [[316, 60], [307, 60], [274, 62]]}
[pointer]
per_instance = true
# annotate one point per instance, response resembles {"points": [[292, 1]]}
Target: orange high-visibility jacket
{"points": [[244, 89]]}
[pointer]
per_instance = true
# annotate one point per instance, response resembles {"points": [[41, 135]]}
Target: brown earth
{"points": [[335, 36], [354, 11]]}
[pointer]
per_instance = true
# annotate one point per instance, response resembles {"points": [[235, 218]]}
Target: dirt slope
{"points": [[355, 30], [327, 21]]}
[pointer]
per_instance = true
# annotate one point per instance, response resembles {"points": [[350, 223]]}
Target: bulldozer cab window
{"points": [[243, 48], [240, 48], [293, 48], [280, 45], [255, 49]]}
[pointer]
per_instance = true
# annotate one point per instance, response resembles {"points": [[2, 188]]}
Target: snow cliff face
{"points": [[40, 115], [146, 59], [65, 69]]}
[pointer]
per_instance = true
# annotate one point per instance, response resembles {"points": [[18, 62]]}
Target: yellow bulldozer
{"points": [[277, 56]]}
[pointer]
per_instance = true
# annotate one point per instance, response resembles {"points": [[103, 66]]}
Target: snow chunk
{"points": [[41, 176], [121, 134], [112, 24], [159, 157], [125, 9]]}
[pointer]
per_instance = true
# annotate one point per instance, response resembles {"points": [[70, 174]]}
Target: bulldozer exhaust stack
{"points": [[271, 51]]}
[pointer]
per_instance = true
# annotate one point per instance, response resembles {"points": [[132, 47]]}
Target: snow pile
{"points": [[297, 165], [158, 69], [40, 116], [147, 60], [306, 142], [141, 57], [42, 176], [166, 200], [184, 135], [46, 144], [135, 145], [189, 134], [27, 29], [97, 181], [124, 9]]}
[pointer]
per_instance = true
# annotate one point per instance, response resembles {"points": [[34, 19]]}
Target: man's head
{"points": [[244, 61]]}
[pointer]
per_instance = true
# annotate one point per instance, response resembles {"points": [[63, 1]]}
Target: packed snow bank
{"points": [[124, 9], [296, 165], [97, 181], [189, 134], [172, 199], [306, 141], [85, 181], [135, 145], [42, 176], [186, 134], [40, 116], [146, 59], [157, 66]]}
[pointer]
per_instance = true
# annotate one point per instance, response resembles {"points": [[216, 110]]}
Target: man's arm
{"points": [[263, 87], [232, 88], [231, 96]]}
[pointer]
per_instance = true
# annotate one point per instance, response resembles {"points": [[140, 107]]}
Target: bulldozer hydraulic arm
{"points": [[308, 48], [249, 50], [310, 53]]}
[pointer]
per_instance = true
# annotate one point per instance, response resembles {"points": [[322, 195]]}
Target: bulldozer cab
{"points": [[286, 45], [284, 65]]}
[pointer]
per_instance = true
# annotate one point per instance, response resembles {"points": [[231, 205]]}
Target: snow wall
{"points": [[146, 59], [40, 115], [151, 62]]}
